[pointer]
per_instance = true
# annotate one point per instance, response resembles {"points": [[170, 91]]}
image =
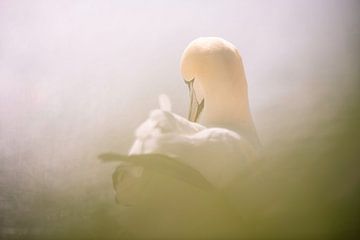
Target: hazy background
{"points": [[77, 77]]}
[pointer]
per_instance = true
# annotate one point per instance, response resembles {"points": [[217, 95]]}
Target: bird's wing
{"points": [[166, 121], [160, 163], [158, 123], [218, 154]]}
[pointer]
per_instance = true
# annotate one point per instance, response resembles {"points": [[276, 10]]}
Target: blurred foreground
{"points": [[300, 188]]}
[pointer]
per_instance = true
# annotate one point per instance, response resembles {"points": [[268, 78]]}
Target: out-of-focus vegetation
{"points": [[298, 189], [307, 188]]}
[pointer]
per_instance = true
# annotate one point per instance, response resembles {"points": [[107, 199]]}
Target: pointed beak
{"points": [[195, 107]]}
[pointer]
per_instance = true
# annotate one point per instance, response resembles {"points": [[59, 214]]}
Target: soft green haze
{"points": [[77, 78]]}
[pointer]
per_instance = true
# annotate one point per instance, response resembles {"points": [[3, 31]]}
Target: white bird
{"points": [[226, 139]]}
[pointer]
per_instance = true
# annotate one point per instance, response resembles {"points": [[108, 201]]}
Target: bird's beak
{"points": [[195, 107]]}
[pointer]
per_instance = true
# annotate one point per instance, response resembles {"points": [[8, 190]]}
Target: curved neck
{"points": [[229, 108]]}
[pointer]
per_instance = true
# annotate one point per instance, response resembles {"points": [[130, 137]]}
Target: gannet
{"points": [[214, 72], [219, 136]]}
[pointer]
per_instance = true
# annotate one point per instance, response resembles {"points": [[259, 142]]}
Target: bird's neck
{"points": [[230, 111]]}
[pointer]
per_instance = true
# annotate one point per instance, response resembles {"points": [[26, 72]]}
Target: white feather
{"points": [[164, 102]]}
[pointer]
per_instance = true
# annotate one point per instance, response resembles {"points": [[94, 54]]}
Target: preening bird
{"points": [[219, 137]]}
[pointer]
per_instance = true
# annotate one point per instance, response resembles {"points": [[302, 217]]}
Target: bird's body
{"points": [[226, 139], [217, 153]]}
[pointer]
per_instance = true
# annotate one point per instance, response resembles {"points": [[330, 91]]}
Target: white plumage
{"points": [[217, 153], [227, 139], [205, 155]]}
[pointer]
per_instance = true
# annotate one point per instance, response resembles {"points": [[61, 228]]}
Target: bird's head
{"points": [[213, 70]]}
